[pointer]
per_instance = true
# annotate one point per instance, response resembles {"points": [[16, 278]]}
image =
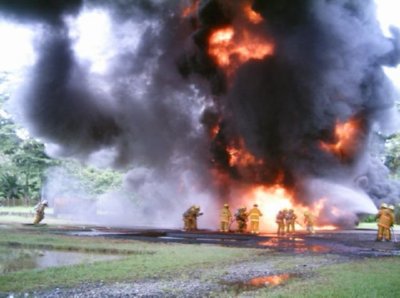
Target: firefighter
{"points": [[190, 218], [385, 220], [196, 214], [254, 216], [39, 208], [290, 221], [309, 222], [280, 220], [225, 218], [241, 218], [186, 218]]}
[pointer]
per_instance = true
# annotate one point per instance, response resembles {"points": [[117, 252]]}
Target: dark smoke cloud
{"points": [[151, 109], [140, 114], [327, 68], [146, 114], [48, 11]]}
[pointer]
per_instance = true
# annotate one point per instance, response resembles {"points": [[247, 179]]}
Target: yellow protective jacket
{"points": [[254, 214], [309, 219], [225, 215], [280, 217], [385, 218]]}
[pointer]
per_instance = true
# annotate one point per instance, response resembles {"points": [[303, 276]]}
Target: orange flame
{"points": [[275, 198], [231, 48], [214, 131], [191, 9], [239, 156], [345, 134], [272, 280], [251, 15]]}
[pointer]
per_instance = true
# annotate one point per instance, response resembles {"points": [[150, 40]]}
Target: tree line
{"points": [[24, 162]]}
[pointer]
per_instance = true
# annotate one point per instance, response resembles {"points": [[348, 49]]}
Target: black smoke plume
{"points": [[153, 109]]}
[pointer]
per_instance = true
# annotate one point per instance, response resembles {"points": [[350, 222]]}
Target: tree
{"points": [[392, 154], [95, 181], [10, 188], [31, 161]]}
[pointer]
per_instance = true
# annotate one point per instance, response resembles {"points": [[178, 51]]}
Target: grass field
{"points": [[316, 275]]}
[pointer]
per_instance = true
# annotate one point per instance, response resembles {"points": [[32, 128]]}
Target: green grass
{"points": [[142, 260], [16, 209], [363, 278], [377, 277]]}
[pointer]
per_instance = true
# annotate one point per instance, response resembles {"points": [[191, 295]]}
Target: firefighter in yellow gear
{"points": [[225, 218], [254, 217], [280, 221], [290, 221], [309, 222], [39, 208], [190, 218], [385, 218], [241, 218]]}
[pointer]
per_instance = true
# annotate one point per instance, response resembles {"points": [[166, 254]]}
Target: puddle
{"points": [[296, 245], [171, 238], [15, 259], [91, 233], [117, 233], [269, 281]]}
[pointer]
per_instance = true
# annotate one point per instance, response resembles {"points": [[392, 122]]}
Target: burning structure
{"points": [[213, 101]]}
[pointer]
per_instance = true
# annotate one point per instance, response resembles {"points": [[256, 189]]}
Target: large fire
{"points": [[274, 198], [239, 156], [230, 44], [345, 136], [231, 47]]}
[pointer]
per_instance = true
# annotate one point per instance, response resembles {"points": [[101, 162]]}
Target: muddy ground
{"points": [[307, 252], [345, 242]]}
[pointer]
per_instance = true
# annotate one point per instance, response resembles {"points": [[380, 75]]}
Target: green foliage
{"points": [[10, 187], [369, 218], [95, 181], [25, 161], [8, 137], [392, 154]]}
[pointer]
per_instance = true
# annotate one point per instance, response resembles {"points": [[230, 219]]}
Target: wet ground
{"points": [[15, 259], [243, 278], [347, 242]]}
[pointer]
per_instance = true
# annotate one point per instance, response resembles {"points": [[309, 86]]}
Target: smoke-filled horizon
{"points": [[289, 93]]}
